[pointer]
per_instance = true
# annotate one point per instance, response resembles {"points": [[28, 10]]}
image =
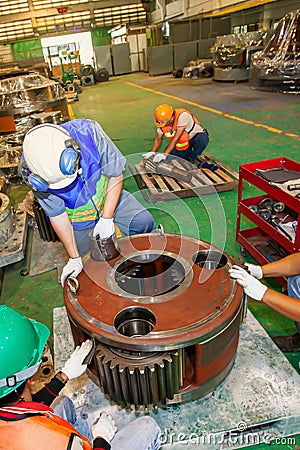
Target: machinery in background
{"points": [[232, 55], [277, 66], [198, 69], [89, 76], [13, 232], [24, 95]]}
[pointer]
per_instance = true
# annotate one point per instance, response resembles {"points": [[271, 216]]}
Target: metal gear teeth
{"points": [[140, 381]]}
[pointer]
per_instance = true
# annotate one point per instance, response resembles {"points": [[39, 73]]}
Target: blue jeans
{"points": [[130, 216], [197, 144], [141, 434], [294, 291]]}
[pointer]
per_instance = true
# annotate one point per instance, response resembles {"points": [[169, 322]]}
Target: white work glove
{"points": [[104, 227], [159, 157], [255, 271], [74, 366], [148, 155], [72, 268], [104, 427], [252, 287]]}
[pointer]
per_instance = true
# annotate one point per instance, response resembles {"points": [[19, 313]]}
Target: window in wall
{"points": [[130, 14], [13, 6], [68, 21], [12, 31], [42, 4]]}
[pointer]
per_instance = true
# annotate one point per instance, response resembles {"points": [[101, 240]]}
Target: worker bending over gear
{"points": [[287, 305], [76, 173], [187, 137], [27, 421]]}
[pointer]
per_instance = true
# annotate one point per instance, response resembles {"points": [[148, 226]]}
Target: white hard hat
{"points": [[42, 148]]}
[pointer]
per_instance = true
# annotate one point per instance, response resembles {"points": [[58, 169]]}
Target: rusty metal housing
{"points": [[165, 315]]}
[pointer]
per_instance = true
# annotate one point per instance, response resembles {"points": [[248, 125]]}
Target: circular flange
{"points": [[204, 301]]}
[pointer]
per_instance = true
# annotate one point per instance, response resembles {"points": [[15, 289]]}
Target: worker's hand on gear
{"points": [[252, 287], [159, 157], [104, 427], [255, 270], [148, 155], [72, 268], [74, 366], [104, 228]]}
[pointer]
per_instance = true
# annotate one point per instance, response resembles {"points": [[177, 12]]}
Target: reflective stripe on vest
{"points": [[39, 430], [79, 194], [169, 131]]}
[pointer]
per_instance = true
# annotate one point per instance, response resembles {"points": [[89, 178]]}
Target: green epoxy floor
{"points": [[124, 107]]}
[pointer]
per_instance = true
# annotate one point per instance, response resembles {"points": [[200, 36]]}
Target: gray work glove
{"points": [[252, 287], [104, 427], [148, 155], [72, 268], [255, 270], [159, 157], [74, 366], [105, 228]]}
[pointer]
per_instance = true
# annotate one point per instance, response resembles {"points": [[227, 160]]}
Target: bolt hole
{"points": [[210, 259], [46, 371], [135, 321]]}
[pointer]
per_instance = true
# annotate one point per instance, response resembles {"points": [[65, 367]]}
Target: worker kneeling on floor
{"points": [[187, 137], [35, 422]]}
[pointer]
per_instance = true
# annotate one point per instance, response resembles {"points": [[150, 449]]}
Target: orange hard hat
{"points": [[163, 114]]}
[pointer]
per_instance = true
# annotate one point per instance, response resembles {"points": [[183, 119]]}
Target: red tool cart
{"points": [[267, 240]]}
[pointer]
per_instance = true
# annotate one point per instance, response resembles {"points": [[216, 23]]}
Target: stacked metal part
{"points": [[138, 380], [167, 168], [45, 228]]}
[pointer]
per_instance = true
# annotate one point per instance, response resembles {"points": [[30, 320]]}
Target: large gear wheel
{"points": [[138, 379]]}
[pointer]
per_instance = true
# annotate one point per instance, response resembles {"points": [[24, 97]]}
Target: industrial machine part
{"points": [[198, 69], [86, 69], [27, 94], [103, 249], [45, 228], [13, 228], [232, 55], [165, 316], [87, 80], [277, 66], [9, 159], [101, 75], [168, 169], [48, 117]]}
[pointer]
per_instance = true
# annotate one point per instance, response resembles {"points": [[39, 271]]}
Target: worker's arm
{"points": [[288, 266], [157, 142], [64, 230], [174, 141], [113, 193], [288, 306], [285, 305]]}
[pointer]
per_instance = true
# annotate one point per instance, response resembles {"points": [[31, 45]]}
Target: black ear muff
{"points": [[69, 159]]}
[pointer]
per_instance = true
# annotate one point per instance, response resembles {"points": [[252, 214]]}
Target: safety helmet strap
{"points": [[13, 380]]}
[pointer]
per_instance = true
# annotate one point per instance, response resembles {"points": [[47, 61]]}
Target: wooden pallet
{"points": [[158, 188]]}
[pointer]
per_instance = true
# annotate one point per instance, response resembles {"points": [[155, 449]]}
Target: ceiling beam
{"points": [[48, 12]]}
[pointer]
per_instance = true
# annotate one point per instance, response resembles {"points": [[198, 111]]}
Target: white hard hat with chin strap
{"points": [[51, 157]]}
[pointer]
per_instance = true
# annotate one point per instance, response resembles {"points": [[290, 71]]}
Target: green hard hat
{"points": [[22, 342]]}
